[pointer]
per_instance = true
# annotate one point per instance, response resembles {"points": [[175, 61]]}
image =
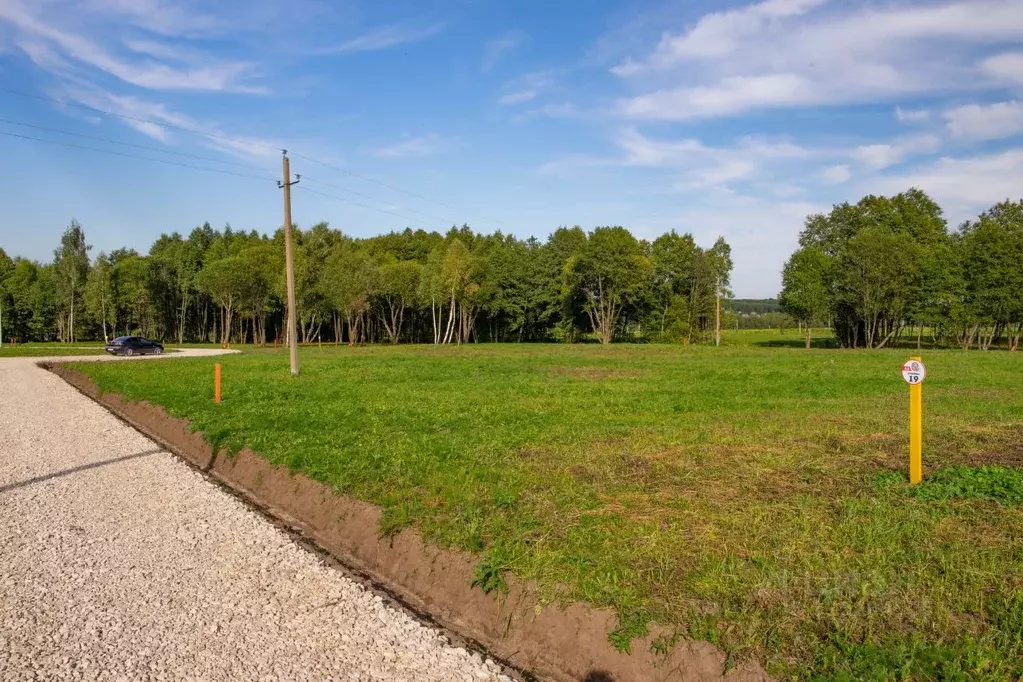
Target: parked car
{"points": [[133, 345]]}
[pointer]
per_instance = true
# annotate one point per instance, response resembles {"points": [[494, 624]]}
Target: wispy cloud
{"points": [[62, 50], [691, 165], [912, 115], [963, 186], [177, 18], [836, 175], [785, 53], [986, 121], [1007, 67], [424, 145], [160, 50], [527, 87], [517, 97], [882, 155], [495, 49], [749, 163], [384, 37], [162, 123], [717, 34], [560, 110]]}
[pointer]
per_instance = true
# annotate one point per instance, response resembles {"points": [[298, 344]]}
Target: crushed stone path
{"points": [[119, 562]]}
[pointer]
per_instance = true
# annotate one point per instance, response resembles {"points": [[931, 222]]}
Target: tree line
{"points": [[887, 269], [227, 286]]}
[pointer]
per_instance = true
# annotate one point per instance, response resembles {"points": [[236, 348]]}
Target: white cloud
{"points": [[424, 145], [717, 34], [495, 49], [763, 233], [641, 150], [562, 110], [783, 53], [157, 49], [836, 175], [696, 166], [715, 176], [60, 50], [731, 95], [518, 97], [384, 37], [878, 156], [912, 115], [146, 116], [527, 87], [165, 17], [986, 121], [751, 165], [1007, 67], [963, 186]]}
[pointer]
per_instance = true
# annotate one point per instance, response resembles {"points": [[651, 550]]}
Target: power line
{"points": [[99, 138], [227, 138], [135, 156], [372, 198], [354, 203], [162, 124], [384, 184], [202, 168]]}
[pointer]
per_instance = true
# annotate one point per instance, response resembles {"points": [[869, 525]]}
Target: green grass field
{"points": [[36, 350], [750, 495]]}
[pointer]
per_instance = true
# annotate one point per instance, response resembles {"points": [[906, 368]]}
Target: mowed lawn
{"points": [[749, 495], [35, 350]]}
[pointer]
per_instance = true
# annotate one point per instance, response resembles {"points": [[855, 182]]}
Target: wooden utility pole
{"points": [[289, 260], [717, 313]]}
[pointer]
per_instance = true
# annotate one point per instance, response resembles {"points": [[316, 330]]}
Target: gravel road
{"points": [[119, 562]]}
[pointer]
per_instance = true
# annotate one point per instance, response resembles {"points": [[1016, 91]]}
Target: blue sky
{"points": [[716, 118]]}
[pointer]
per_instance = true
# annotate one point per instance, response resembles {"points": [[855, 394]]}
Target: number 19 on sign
{"points": [[914, 373]]}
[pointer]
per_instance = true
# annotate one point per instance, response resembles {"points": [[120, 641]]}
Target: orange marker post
{"points": [[216, 383]]}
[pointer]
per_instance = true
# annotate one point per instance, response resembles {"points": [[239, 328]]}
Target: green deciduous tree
{"points": [[349, 280], [6, 269], [890, 263], [609, 274], [672, 257], [224, 281], [397, 291], [992, 260], [806, 294], [132, 292]]}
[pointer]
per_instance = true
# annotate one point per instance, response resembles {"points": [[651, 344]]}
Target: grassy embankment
{"points": [[749, 495]]}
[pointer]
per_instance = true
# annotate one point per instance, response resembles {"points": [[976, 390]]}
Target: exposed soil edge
{"points": [[550, 642]]}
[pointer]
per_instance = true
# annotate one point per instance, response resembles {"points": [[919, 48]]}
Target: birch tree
{"points": [[71, 261], [99, 294]]}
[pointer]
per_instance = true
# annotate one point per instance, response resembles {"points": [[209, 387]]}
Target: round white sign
{"points": [[914, 372]]}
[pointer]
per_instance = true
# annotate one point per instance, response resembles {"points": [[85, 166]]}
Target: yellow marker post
{"points": [[914, 373]]}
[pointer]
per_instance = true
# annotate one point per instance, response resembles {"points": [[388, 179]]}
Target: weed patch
{"points": [[999, 484]]}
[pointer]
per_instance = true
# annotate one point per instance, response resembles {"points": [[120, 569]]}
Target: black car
{"points": [[133, 345]]}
